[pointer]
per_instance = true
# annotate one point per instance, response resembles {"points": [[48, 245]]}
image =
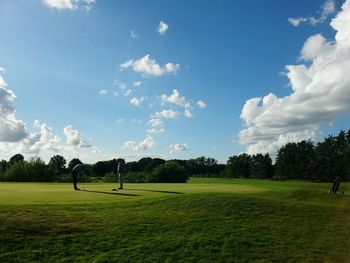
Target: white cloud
{"points": [[162, 28], [150, 67], [320, 93], [155, 122], [137, 83], [133, 34], [174, 98], [120, 85], [154, 131], [102, 92], [178, 147], [127, 92], [327, 9], [167, 114], [11, 129], [136, 102], [201, 104], [188, 113], [74, 138], [69, 4], [146, 144]]}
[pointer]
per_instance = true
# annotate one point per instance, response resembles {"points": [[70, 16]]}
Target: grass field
{"points": [[205, 220]]}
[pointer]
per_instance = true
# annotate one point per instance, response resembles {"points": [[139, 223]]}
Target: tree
{"points": [[261, 166], [238, 166], [169, 172], [58, 162], [16, 158]]}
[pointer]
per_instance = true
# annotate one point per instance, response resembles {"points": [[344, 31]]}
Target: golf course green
{"points": [[205, 220]]}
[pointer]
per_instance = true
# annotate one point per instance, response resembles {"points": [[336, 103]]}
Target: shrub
{"points": [[169, 172]]}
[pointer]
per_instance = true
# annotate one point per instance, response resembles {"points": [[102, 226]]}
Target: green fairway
{"points": [[206, 220]]}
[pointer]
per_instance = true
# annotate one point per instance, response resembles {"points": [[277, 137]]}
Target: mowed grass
{"points": [[206, 220]]}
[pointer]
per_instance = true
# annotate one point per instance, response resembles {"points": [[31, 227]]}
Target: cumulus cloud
{"points": [[74, 138], [201, 104], [178, 100], [320, 93], [11, 129], [155, 122], [174, 98], [162, 28], [144, 145], [178, 147], [188, 113], [69, 4], [150, 67], [327, 9], [136, 102], [167, 114]]}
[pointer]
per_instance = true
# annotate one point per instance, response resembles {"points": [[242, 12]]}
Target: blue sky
{"points": [[89, 76]]}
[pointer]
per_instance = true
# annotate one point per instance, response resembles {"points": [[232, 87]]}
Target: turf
{"points": [[206, 220]]}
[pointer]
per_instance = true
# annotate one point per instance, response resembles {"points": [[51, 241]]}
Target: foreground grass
{"points": [[206, 220]]}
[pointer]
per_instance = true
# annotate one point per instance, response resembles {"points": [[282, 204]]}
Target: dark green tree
{"points": [[16, 158]]}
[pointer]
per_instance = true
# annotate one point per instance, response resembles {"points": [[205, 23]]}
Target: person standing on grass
{"points": [[75, 171], [120, 172]]}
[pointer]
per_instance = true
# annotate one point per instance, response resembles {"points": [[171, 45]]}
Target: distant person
{"points": [[120, 172], [336, 183], [75, 171]]}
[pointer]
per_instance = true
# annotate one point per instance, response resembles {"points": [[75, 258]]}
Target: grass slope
{"points": [[206, 220]]}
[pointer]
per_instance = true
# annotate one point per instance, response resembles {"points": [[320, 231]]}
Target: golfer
{"points": [[120, 172], [75, 171]]}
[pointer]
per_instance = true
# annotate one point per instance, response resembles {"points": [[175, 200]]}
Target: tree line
{"points": [[304, 160]]}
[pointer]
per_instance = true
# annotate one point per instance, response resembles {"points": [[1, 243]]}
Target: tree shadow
{"points": [[108, 193], [156, 191]]}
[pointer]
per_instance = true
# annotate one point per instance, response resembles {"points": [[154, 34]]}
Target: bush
{"points": [[111, 178], [169, 172], [135, 177]]}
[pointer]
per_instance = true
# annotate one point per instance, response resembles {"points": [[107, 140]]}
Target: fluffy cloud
{"points": [[136, 102], [201, 104], [11, 129], [327, 9], [174, 98], [178, 100], [188, 113], [178, 147], [155, 122], [69, 4], [320, 93], [146, 144], [167, 114], [74, 138], [150, 67], [162, 28]]}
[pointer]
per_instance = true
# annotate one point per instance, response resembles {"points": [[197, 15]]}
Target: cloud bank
{"points": [[320, 93]]}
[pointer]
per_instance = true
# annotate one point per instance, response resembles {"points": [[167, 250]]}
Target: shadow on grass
{"points": [[155, 191], [108, 193]]}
